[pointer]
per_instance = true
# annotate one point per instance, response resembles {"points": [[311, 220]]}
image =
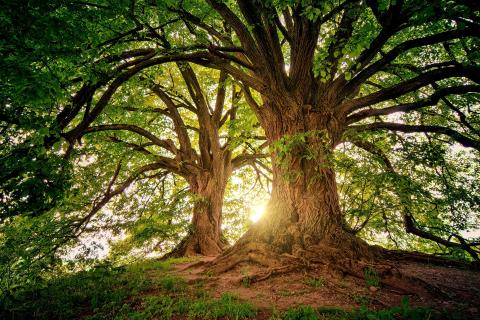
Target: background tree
{"points": [[178, 127], [59, 73]]}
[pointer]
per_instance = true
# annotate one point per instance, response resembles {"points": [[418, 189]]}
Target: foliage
{"points": [[434, 184], [28, 251], [70, 295], [41, 65], [172, 284], [300, 313], [32, 182], [226, 306]]}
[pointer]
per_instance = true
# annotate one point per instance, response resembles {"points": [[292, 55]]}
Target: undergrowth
{"points": [[139, 291], [402, 312], [146, 290]]}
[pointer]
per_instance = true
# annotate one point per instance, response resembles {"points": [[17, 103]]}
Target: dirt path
{"points": [[450, 288]]}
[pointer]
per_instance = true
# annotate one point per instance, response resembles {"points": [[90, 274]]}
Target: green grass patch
{"points": [[246, 281], [173, 284], [372, 279], [315, 282], [402, 312], [227, 305], [138, 291], [301, 313]]}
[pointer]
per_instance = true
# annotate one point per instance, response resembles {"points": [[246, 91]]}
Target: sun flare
{"points": [[257, 211]]}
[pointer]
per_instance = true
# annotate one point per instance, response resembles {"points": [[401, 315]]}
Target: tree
{"points": [[185, 135], [67, 104]]}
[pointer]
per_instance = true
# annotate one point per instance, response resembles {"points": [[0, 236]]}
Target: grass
{"points": [[172, 284], [372, 279], [360, 299], [301, 313], [227, 305], [142, 290], [315, 282], [246, 281], [402, 312], [146, 290]]}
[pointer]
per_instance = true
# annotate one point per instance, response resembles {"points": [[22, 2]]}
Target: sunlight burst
{"points": [[257, 211]]}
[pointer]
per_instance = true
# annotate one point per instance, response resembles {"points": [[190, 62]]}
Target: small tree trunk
{"points": [[205, 235]]}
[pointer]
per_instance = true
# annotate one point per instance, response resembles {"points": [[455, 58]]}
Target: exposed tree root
{"points": [[334, 262], [272, 272]]}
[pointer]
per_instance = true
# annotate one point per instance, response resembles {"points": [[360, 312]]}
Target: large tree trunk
{"points": [[303, 218], [205, 235]]}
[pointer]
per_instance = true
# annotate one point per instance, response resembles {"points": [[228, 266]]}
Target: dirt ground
{"points": [[449, 288]]}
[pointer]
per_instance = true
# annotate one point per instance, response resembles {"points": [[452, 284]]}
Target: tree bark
{"points": [[205, 235]]}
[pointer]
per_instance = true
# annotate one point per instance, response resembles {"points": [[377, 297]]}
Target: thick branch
{"points": [[407, 107], [165, 144], [264, 30], [342, 35], [470, 72], [240, 29], [246, 159], [455, 135], [126, 75], [199, 23], [136, 147], [178, 123], [220, 99], [208, 133]]}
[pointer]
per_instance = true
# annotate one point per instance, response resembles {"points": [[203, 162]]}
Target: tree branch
{"points": [[240, 29], [165, 144], [407, 107], [178, 123], [453, 134], [246, 159], [81, 224], [405, 46], [470, 72], [220, 99], [126, 75]]}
